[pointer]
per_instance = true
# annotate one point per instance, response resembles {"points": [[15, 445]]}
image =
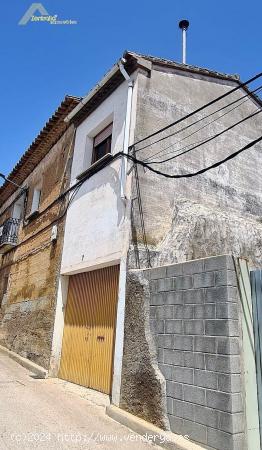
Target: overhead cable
{"points": [[188, 175], [206, 105]]}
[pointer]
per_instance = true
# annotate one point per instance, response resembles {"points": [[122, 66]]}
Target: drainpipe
{"points": [[120, 320], [127, 126]]}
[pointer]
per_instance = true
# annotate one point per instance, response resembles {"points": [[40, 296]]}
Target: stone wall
{"points": [[215, 213], [143, 385], [194, 317], [28, 308]]}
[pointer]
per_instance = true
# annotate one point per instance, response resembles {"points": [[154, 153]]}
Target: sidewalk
{"points": [[54, 414]]}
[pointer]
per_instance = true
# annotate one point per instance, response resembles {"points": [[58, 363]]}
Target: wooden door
{"points": [[89, 331]]}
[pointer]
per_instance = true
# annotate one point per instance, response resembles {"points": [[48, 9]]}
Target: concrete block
{"points": [[225, 278], [185, 410], [167, 371], [205, 378], [164, 284], [174, 298], [153, 286], [157, 299], [194, 360], [219, 400], [207, 311], [164, 312], [229, 383], [176, 424], [165, 341], [217, 294], [174, 390], [195, 326], [152, 312], [182, 375], [183, 311], [219, 263], [231, 423], [195, 394], [157, 272], [183, 342], [173, 357], [160, 355], [206, 416], [192, 267], [184, 282], [205, 344], [195, 431], [224, 401], [228, 345], [157, 326], [221, 327], [227, 311], [174, 270], [219, 439], [194, 296], [205, 279], [221, 363], [233, 327], [173, 326], [169, 405]]}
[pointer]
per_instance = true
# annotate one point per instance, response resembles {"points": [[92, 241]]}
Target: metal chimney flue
{"points": [[183, 25]]}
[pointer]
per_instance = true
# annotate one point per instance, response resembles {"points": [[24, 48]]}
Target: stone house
{"points": [[31, 236], [149, 305]]}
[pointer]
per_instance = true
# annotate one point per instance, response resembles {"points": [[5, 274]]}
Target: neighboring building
{"points": [[124, 218], [31, 237]]}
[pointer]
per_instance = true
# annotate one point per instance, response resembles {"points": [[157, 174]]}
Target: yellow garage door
{"points": [[89, 331]]}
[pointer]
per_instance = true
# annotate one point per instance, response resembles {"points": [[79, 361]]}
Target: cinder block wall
{"points": [[194, 316]]}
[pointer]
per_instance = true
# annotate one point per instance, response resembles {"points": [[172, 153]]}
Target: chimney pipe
{"points": [[183, 25]]}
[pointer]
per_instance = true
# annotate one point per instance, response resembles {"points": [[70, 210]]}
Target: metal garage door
{"points": [[89, 331]]}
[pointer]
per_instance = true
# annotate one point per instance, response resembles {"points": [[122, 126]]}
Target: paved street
{"points": [[53, 414]]}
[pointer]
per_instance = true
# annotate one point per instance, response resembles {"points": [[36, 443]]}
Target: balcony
{"points": [[9, 234]]}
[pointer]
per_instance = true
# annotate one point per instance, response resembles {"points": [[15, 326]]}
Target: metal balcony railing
{"points": [[9, 232]]}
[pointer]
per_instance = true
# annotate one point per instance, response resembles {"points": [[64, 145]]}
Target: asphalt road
{"points": [[53, 414]]}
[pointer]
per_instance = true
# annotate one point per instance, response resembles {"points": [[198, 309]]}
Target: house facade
{"points": [[32, 226], [125, 219]]}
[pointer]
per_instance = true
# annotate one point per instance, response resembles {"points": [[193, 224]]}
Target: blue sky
{"points": [[41, 63]]}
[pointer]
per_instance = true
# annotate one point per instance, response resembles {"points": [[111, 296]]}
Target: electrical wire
{"points": [[207, 140], [141, 213], [199, 129], [206, 105], [193, 174]]}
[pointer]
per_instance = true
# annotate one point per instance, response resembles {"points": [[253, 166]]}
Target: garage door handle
{"points": [[100, 338]]}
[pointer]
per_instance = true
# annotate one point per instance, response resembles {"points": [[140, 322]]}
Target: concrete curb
{"points": [[38, 370], [165, 439]]}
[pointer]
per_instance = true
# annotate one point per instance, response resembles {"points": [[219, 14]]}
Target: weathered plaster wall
{"points": [[194, 317], [27, 313], [96, 221], [143, 387], [217, 212]]}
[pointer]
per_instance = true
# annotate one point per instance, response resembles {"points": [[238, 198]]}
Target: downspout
{"points": [[127, 127], [120, 321]]}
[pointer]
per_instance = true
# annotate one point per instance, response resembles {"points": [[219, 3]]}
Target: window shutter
{"points": [[103, 135]]}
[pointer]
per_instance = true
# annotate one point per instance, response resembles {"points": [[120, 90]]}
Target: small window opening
{"points": [[102, 143], [35, 201]]}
